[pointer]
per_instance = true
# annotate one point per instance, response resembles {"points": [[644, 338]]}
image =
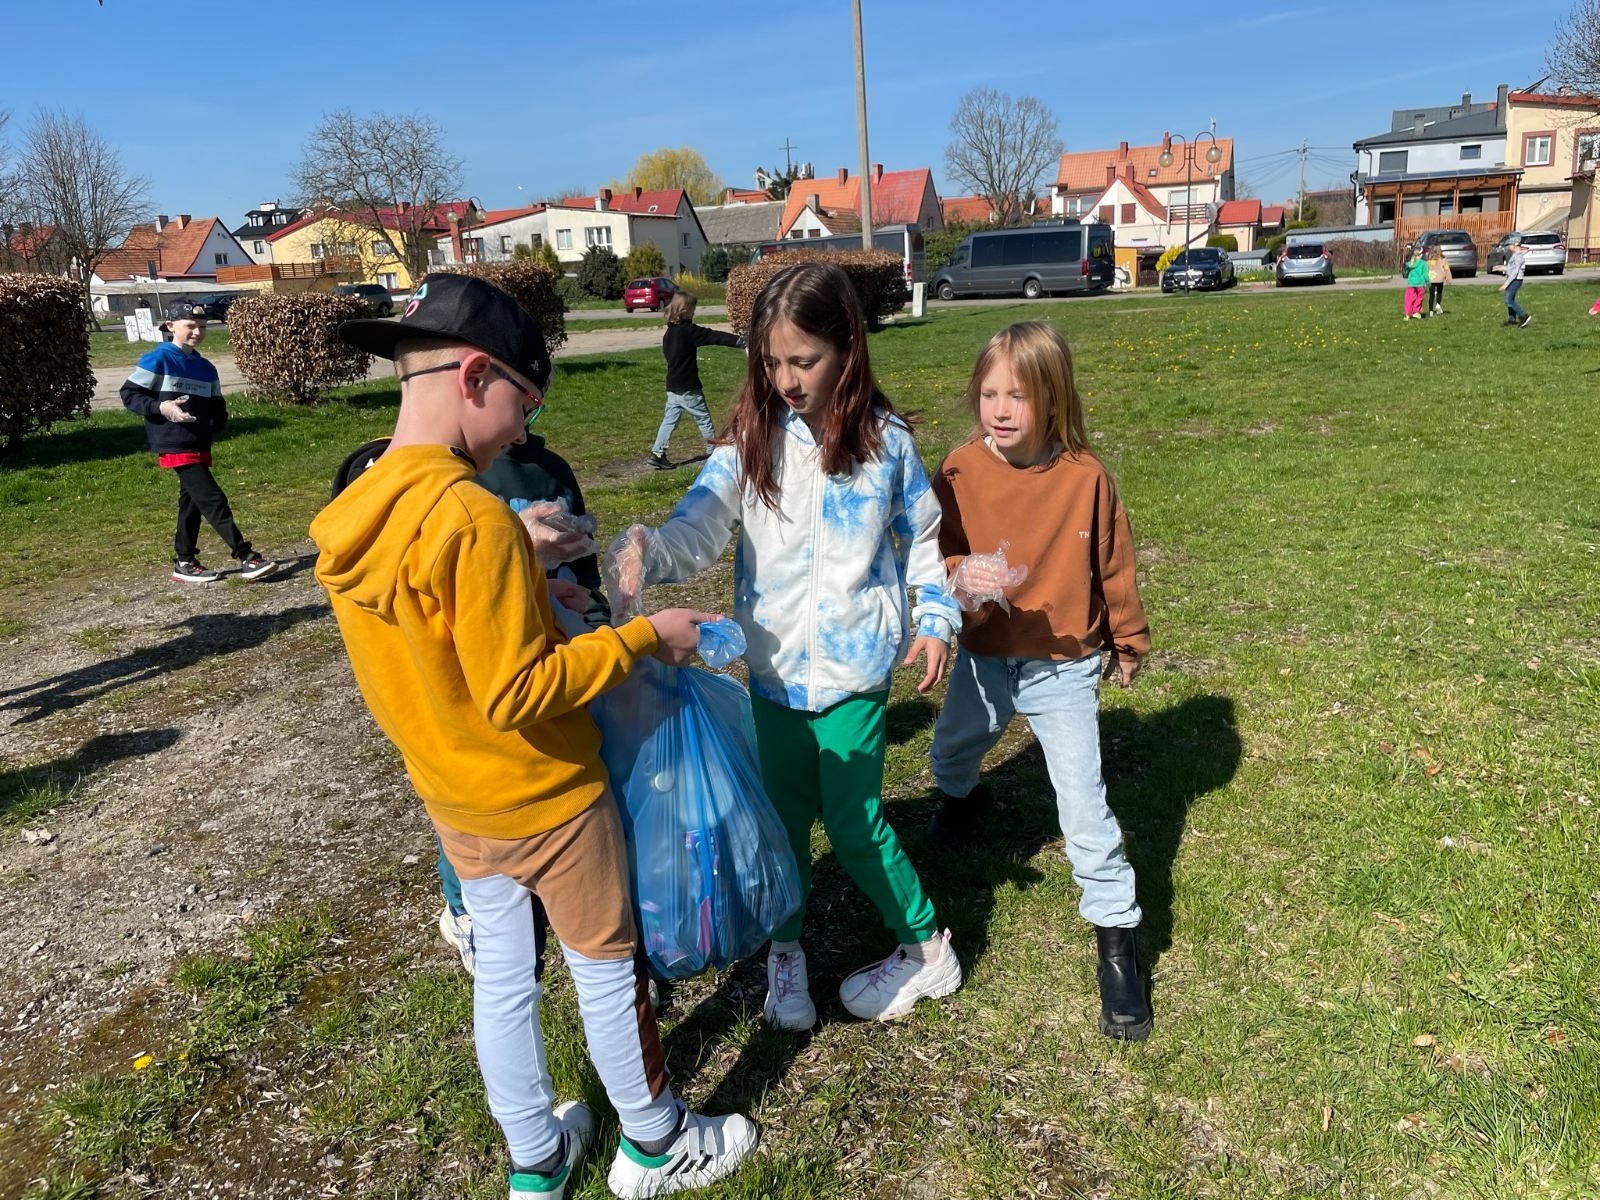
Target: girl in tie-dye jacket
{"points": [[835, 517]]}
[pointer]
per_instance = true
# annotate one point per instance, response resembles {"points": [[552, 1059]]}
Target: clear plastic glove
{"points": [[981, 578], [174, 411], [559, 535], [624, 570]]}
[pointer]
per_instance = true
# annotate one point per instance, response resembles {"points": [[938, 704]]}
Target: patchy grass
{"points": [[111, 347], [1359, 784]]}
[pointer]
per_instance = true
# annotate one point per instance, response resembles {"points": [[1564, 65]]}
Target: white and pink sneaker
{"points": [[891, 988]]}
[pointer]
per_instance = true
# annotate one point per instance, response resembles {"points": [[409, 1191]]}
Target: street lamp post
{"points": [[1190, 146]]}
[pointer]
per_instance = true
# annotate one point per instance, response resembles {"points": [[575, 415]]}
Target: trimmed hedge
{"points": [[532, 285], [878, 276], [1223, 241], [288, 345], [45, 375], [1349, 252]]}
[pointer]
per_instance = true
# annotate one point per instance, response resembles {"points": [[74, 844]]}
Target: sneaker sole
{"points": [[176, 578], [261, 573], [686, 1180], [939, 991], [771, 1017]]}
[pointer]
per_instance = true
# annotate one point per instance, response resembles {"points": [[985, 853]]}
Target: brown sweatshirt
{"points": [[1064, 523]]}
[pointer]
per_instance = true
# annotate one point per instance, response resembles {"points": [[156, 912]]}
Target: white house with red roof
{"points": [[180, 248], [618, 221], [822, 207], [1178, 192]]}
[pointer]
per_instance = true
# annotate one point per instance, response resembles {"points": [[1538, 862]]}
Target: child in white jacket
{"points": [[836, 518]]}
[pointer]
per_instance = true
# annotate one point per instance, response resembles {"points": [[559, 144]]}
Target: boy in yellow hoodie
{"points": [[451, 636]]}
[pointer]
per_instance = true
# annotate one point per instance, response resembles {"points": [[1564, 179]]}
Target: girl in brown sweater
{"points": [[1034, 642]]}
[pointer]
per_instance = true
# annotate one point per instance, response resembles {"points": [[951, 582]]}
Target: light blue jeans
{"points": [[1062, 703], [1516, 311], [678, 403]]}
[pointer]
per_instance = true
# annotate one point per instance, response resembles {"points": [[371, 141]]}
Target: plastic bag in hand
{"points": [[713, 873], [559, 535], [981, 578]]}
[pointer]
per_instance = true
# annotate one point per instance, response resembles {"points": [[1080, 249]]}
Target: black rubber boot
{"points": [[1124, 1011], [956, 823]]}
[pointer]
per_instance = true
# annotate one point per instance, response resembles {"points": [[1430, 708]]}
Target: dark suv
{"points": [[379, 302], [1460, 251]]}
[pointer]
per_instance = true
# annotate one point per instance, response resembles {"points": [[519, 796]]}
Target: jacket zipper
{"points": [[817, 483]]}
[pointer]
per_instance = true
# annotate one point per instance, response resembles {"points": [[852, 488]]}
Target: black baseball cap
{"points": [[463, 308], [184, 309]]}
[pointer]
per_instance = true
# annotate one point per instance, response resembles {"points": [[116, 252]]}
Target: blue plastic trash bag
{"points": [[720, 642], [713, 874]]}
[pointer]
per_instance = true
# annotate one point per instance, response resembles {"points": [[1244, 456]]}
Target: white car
{"points": [[1546, 252]]}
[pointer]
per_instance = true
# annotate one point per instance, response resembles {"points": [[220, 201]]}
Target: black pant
{"points": [[200, 496], [1435, 296]]}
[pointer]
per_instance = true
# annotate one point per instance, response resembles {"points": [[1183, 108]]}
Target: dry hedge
{"points": [[288, 345], [44, 355], [533, 286], [1349, 252], [878, 276]]}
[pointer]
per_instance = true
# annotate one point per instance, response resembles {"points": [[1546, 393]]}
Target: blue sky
{"points": [[213, 101]]}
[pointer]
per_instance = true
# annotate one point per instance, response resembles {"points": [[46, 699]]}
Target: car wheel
{"points": [[386, 309], [1032, 289], [1561, 270], [946, 292]]}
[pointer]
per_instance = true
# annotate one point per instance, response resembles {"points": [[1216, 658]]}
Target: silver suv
{"points": [[1460, 251], [1546, 252]]}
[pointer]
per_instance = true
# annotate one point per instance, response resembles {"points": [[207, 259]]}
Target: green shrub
{"points": [[571, 294], [1275, 244], [600, 273], [288, 345], [703, 289], [530, 284], [941, 245], [717, 261], [878, 277], [1223, 241], [643, 261], [44, 356]]}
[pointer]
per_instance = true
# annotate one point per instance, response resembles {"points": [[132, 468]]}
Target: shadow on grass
{"points": [[907, 718], [208, 635], [52, 782], [93, 443]]}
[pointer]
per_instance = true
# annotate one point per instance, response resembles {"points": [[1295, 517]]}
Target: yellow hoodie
{"points": [[449, 629]]}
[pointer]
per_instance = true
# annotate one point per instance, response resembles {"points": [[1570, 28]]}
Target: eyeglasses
{"points": [[534, 402]]}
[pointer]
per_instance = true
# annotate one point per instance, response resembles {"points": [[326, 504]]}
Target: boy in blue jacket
{"points": [[176, 391]]}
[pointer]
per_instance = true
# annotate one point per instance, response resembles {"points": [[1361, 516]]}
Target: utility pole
{"points": [[1300, 202], [861, 134]]}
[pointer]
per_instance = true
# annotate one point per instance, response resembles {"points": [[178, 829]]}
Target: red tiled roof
{"points": [[28, 240], [494, 216], [1559, 100], [437, 221], [1273, 215], [664, 202], [1143, 195], [745, 196], [896, 196], [173, 250], [1239, 212], [973, 209], [1085, 171]]}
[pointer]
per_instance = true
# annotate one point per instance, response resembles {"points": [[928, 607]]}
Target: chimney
{"points": [[182, 220], [637, 192], [1111, 174], [1418, 125], [877, 172], [1122, 150], [602, 202], [405, 207], [814, 202], [1501, 101], [1128, 171], [161, 222], [1466, 102], [844, 176]]}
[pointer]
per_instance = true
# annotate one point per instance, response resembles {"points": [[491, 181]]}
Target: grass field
{"points": [[1359, 783]]}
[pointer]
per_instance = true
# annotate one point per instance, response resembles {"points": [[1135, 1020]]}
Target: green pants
{"points": [[832, 762]]}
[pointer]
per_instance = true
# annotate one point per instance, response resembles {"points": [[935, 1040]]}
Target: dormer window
{"points": [[652, 208]]}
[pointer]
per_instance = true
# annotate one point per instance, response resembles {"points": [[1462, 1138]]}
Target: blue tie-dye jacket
{"points": [[820, 584]]}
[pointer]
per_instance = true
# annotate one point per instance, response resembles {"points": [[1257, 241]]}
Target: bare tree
{"points": [[387, 173], [1001, 147], [74, 180], [1574, 57]]}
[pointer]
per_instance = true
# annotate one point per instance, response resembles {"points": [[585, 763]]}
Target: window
{"points": [[1536, 150], [280, 218], [563, 239], [1107, 214], [1058, 245], [318, 251], [813, 233], [538, 240], [347, 249], [686, 241], [1588, 150], [987, 251], [222, 259], [597, 235], [261, 247], [382, 250], [1393, 162], [1018, 249], [1471, 152], [150, 267], [388, 279], [505, 243], [1129, 214]]}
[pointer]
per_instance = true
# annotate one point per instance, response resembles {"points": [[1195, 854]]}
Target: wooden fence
{"points": [[1485, 228]]}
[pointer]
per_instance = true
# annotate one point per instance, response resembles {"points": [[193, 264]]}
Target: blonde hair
{"points": [[680, 309], [1041, 363]]}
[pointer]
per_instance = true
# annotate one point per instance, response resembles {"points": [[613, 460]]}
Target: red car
{"points": [[650, 293]]}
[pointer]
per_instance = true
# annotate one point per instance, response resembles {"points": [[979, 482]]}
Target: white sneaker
{"points": [[891, 988], [457, 931], [577, 1122], [788, 1004], [705, 1150]]}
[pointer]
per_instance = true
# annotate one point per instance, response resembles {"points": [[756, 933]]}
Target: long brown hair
{"points": [[1041, 362], [819, 299]]}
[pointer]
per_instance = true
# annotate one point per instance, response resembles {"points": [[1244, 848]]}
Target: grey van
{"points": [[1032, 262]]}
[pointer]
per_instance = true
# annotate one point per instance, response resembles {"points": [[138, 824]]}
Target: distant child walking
{"points": [[1030, 479], [177, 393], [822, 481], [685, 393], [1438, 276], [1416, 285], [1516, 271]]}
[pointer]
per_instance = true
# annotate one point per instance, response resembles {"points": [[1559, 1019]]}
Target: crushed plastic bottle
{"points": [[721, 642]]}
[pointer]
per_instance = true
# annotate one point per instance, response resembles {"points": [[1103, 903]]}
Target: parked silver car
{"points": [[1304, 262], [1547, 252], [1460, 251]]}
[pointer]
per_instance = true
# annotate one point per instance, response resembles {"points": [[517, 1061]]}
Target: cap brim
{"points": [[375, 335]]}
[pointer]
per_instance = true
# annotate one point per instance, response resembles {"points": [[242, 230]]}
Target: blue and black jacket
{"points": [[167, 373]]}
